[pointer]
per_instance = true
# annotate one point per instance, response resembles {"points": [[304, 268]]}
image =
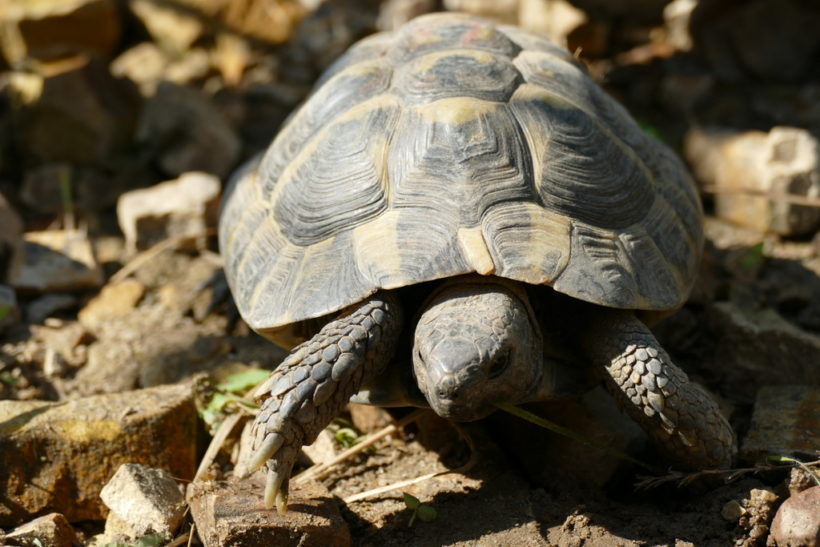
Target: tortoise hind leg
{"points": [[313, 384], [681, 418]]}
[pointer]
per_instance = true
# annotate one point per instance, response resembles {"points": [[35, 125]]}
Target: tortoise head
{"points": [[476, 344]]}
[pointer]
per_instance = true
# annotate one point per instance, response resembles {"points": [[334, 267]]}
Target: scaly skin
{"points": [[680, 417], [313, 384]]}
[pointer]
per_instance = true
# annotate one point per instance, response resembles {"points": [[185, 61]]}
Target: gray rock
{"points": [[80, 444], [52, 530], [758, 347], [783, 423], [9, 311], [676, 16], [751, 170], [182, 207], [232, 513], [43, 307], [57, 260], [185, 132], [11, 240], [142, 501], [797, 522]]}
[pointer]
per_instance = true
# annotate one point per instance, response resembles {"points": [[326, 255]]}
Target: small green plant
{"points": [[8, 379], [346, 435], [422, 511], [231, 392], [4, 311], [753, 257], [650, 129]]}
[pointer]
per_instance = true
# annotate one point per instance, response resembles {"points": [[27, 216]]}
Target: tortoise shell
{"points": [[454, 146]]}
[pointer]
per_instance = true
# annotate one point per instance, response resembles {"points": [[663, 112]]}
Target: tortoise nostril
{"points": [[447, 388]]}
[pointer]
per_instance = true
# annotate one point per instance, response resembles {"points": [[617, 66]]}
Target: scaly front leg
{"points": [[313, 384], [680, 417]]}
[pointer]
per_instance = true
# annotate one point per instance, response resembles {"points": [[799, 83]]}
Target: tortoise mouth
{"points": [[458, 411]]}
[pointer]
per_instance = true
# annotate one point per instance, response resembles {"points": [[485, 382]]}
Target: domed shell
{"points": [[455, 146]]}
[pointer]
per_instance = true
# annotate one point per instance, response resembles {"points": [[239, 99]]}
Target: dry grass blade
{"points": [[222, 433], [319, 471], [185, 538]]}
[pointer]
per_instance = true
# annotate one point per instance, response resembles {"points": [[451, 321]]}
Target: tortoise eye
{"points": [[500, 364]]}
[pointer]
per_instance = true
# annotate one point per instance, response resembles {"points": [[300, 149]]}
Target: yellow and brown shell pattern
{"points": [[455, 146]]}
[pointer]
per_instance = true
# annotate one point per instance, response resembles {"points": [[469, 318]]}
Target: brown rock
{"points": [[57, 260], [58, 456], [115, 300], [44, 188], [187, 132], [142, 501], [52, 530], [395, 13], [767, 39], [502, 11], [48, 29], [74, 111], [784, 422], [566, 25], [171, 26], [797, 522], [232, 514], [745, 168], [147, 65], [182, 207]]}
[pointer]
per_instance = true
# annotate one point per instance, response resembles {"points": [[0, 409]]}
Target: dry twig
{"points": [[807, 201], [684, 479]]}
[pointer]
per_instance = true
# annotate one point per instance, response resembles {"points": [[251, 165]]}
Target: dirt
{"points": [[487, 490]]}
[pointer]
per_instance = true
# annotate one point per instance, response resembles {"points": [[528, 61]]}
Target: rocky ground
{"points": [[120, 121]]}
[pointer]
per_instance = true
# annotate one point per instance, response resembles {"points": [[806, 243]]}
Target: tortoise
{"points": [[459, 216]]}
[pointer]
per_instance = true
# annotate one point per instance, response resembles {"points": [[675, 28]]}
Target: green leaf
{"points": [[8, 379], [347, 437], [4, 311], [753, 257], [411, 502], [243, 381], [427, 513], [213, 410]]}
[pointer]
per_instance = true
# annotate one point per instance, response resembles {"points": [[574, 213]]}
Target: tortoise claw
{"points": [[273, 492], [272, 443]]}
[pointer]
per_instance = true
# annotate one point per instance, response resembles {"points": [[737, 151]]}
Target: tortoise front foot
{"points": [[681, 418], [313, 384]]}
